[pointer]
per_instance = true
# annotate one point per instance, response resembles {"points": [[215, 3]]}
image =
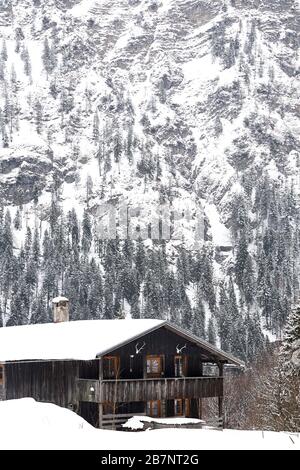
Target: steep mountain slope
{"points": [[148, 102]]}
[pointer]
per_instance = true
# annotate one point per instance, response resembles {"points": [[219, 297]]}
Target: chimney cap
{"points": [[57, 300]]}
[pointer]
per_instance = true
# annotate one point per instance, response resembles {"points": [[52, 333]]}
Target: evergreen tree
{"points": [[198, 322], [13, 78], [27, 63], [28, 244], [129, 283], [291, 343], [73, 231], [55, 213], [48, 57], [39, 311], [140, 260], [96, 132], [4, 55], [128, 251], [135, 310], [36, 248], [20, 305], [86, 233], [38, 116], [108, 312], [2, 69], [89, 189], [95, 301], [186, 312], [211, 332], [6, 242]]}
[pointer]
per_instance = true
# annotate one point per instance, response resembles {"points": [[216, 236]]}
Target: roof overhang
{"points": [[209, 352], [217, 354], [129, 340], [220, 355]]}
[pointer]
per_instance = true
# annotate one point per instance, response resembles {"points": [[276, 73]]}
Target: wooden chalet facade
{"points": [[157, 369]]}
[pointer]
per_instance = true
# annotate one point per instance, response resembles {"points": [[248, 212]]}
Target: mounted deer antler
{"points": [[179, 350], [138, 349]]}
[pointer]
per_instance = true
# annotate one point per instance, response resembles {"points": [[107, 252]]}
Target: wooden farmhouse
{"points": [[110, 370]]}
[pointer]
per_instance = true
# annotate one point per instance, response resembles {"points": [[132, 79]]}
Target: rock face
{"points": [[208, 85], [177, 101], [25, 173]]}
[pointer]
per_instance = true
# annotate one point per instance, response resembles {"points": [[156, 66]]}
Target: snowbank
{"points": [[26, 424], [137, 422]]}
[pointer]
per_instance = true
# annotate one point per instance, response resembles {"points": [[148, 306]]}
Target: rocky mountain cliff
{"points": [[144, 103]]}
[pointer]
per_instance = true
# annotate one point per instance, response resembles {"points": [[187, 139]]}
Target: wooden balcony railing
{"points": [[136, 390], [161, 389]]}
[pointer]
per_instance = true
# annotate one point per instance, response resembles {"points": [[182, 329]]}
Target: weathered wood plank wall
{"points": [[2, 393], [52, 382], [160, 342]]}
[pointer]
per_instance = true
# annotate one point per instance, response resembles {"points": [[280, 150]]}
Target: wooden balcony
{"points": [[123, 390], [161, 389]]}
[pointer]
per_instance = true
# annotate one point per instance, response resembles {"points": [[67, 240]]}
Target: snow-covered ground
{"points": [[26, 424], [137, 422]]}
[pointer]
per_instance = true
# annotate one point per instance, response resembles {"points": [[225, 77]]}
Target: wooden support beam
{"points": [[100, 406], [145, 376], [100, 368], [200, 408], [100, 413], [220, 406], [220, 398]]}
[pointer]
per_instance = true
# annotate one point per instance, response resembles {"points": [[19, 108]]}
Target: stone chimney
{"points": [[60, 309]]}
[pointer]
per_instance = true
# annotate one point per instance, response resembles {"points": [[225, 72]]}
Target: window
{"points": [[178, 408], [180, 363], [181, 407], [1, 374], [154, 366], [154, 408], [111, 366]]}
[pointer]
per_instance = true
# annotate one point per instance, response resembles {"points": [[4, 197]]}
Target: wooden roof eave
{"points": [[217, 354]]}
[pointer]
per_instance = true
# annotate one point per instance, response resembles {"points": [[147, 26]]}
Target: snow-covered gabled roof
{"points": [[80, 340], [86, 340]]}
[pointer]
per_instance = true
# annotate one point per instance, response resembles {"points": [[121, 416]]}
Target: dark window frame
{"points": [[150, 408], [183, 360], [115, 368], [178, 401]]}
